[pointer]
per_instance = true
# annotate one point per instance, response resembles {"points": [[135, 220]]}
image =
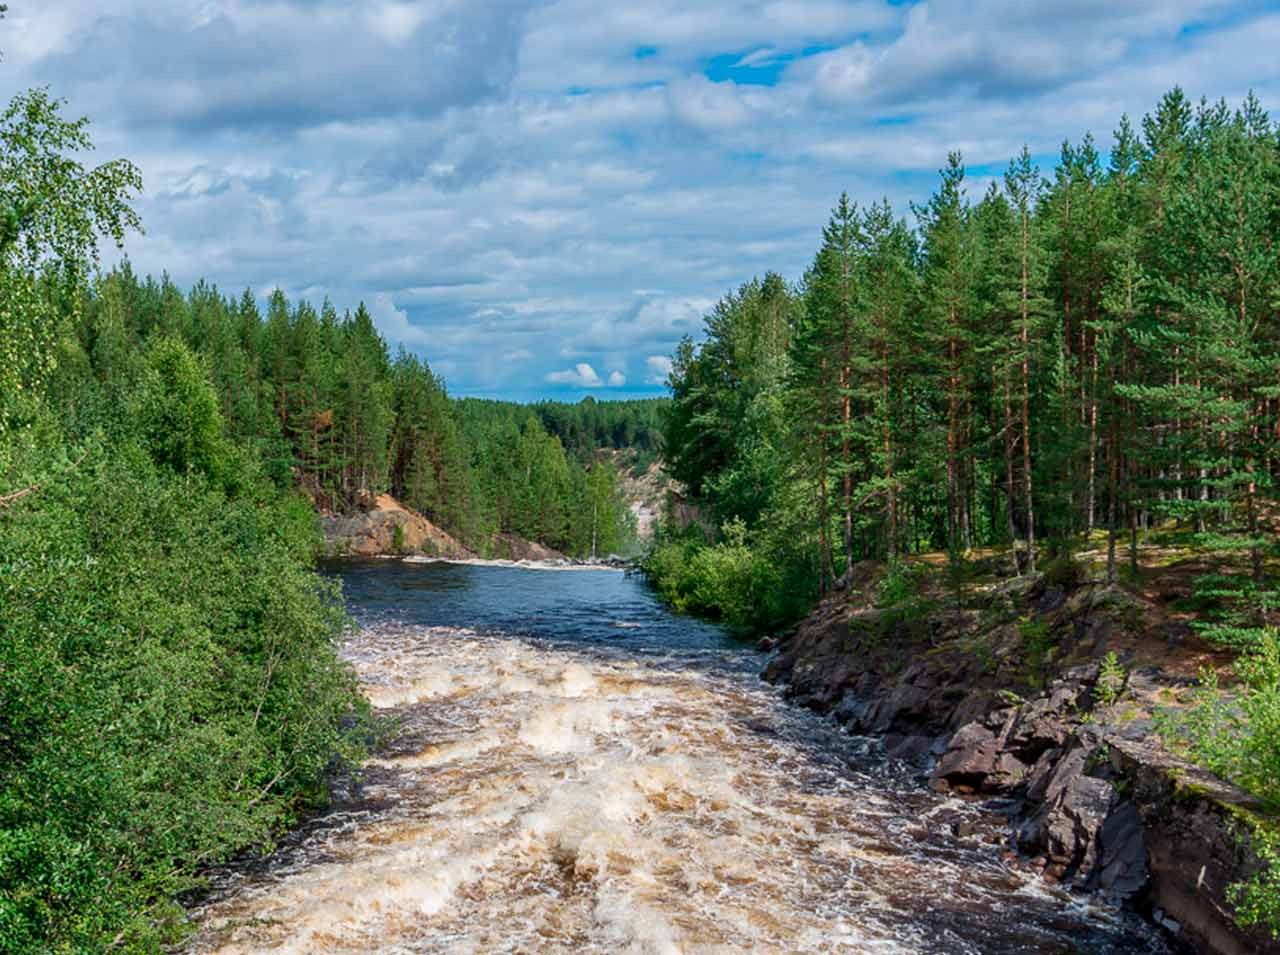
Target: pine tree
{"points": [[948, 312]]}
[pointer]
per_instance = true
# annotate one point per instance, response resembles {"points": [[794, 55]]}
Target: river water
{"points": [[576, 770]]}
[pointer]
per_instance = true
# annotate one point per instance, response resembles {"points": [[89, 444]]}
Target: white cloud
{"points": [[659, 367], [706, 106], [617, 379], [582, 375], [497, 205], [394, 322]]}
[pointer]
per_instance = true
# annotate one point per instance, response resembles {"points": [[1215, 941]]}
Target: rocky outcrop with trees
{"points": [[1044, 698]]}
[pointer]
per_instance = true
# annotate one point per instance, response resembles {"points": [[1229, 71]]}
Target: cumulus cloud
{"points": [[245, 66], [394, 322], [495, 178], [706, 106], [581, 375], [659, 368]]}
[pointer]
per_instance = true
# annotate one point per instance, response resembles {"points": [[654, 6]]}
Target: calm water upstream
{"points": [[580, 771]]}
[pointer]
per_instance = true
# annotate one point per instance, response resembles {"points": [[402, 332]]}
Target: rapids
{"points": [[578, 771]]}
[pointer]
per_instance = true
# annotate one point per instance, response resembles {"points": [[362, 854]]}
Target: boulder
{"points": [[970, 757]]}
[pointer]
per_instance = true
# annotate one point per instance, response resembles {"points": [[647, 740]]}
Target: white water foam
{"points": [[546, 801]]}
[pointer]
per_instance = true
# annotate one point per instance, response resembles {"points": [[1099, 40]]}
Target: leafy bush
{"points": [[753, 587], [1258, 900], [169, 693], [1112, 679], [178, 411], [900, 583], [1037, 647], [1064, 572], [1237, 736]]}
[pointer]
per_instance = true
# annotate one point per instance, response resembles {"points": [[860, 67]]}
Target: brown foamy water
{"points": [[547, 798]]}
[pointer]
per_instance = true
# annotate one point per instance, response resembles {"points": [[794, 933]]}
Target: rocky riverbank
{"points": [[383, 527], [1003, 696]]}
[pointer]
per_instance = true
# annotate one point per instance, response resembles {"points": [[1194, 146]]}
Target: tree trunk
{"points": [[1026, 399], [890, 478], [846, 463], [1093, 437], [1010, 525], [1112, 470]]}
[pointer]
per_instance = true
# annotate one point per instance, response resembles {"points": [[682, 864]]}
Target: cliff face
{"points": [[1001, 697], [387, 527]]}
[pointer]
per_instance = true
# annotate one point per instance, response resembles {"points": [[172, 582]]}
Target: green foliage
{"points": [[742, 582], [170, 690], [170, 693], [1092, 350], [1236, 734], [1064, 572], [1037, 647], [1233, 608], [314, 399], [900, 583], [52, 212], [1257, 901], [178, 412], [1112, 680]]}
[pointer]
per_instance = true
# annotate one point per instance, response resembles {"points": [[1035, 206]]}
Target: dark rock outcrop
{"points": [[1104, 806]]}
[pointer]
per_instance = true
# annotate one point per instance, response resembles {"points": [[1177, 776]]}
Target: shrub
{"points": [[1237, 736], [900, 583], [753, 587], [1037, 647], [169, 694], [178, 411], [1112, 678], [1064, 572]]}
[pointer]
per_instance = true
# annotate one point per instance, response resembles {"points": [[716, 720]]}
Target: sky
{"points": [[542, 198]]}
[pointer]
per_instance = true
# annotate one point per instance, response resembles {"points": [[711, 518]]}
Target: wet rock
{"points": [[1041, 774], [970, 758], [1122, 866], [851, 711], [1102, 804], [913, 749], [907, 702], [1075, 822]]}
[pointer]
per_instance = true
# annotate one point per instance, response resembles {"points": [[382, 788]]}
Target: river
{"points": [[578, 770]]}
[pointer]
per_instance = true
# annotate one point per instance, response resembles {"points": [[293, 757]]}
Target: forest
{"points": [[1083, 363], [1090, 352], [170, 689], [320, 401]]}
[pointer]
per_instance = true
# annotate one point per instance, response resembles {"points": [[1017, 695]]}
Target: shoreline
{"points": [[1093, 795], [569, 565]]}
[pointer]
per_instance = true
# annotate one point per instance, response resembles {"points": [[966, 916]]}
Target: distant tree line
{"points": [[318, 397], [1098, 350]]}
